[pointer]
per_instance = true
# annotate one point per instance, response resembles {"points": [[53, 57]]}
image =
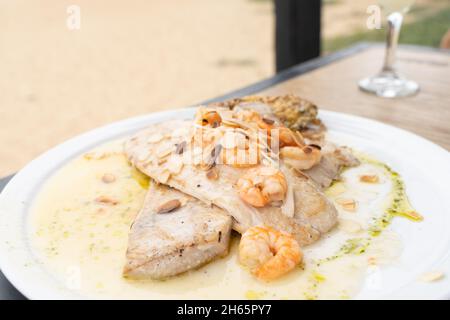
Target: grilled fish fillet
{"points": [[333, 160], [165, 244], [294, 112], [307, 212]]}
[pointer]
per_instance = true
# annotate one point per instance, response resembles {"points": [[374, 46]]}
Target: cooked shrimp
{"points": [[285, 135], [301, 158], [206, 117], [261, 186], [289, 138], [269, 253]]}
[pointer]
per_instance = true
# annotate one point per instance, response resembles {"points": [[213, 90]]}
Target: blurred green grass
{"points": [[427, 31]]}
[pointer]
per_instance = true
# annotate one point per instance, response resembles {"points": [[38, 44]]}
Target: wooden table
{"points": [[331, 82]]}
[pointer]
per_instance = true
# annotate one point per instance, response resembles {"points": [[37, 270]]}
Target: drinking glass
{"points": [[388, 83]]}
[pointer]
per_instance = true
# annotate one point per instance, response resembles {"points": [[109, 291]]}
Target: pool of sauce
{"points": [[82, 241]]}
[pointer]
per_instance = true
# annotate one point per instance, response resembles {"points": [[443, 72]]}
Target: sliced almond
{"points": [[150, 159], [169, 206], [268, 121], [161, 161], [164, 152], [432, 276], [231, 122], [212, 174], [155, 138], [164, 176], [347, 204], [108, 178], [180, 147], [106, 200], [95, 155], [175, 164], [369, 178], [349, 226], [143, 155], [215, 152], [184, 201]]}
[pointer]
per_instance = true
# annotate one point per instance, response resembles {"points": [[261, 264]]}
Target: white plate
{"points": [[424, 166]]}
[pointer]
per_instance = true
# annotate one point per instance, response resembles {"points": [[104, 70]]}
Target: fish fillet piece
{"points": [[306, 214], [333, 160], [161, 245], [294, 112]]}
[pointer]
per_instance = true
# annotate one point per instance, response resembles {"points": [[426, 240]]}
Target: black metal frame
{"points": [[297, 31]]}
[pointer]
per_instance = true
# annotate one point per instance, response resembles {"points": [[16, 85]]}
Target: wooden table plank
{"points": [[334, 87]]}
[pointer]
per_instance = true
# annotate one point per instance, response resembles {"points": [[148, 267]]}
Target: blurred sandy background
{"points": [[129, 58]]}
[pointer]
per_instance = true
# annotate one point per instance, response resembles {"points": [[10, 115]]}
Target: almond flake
{"points": [[212, 174], [155, 138], [369, 178], [95, 155], [108, 178], [164, 176], [230, 123], [106, 200], [347, 204], [215, 152], [161, 161], [180, 147], [143, 155], [431, 276], [175, 165], [169, 206], [184, 201], [164, 153], [268, 121]]}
